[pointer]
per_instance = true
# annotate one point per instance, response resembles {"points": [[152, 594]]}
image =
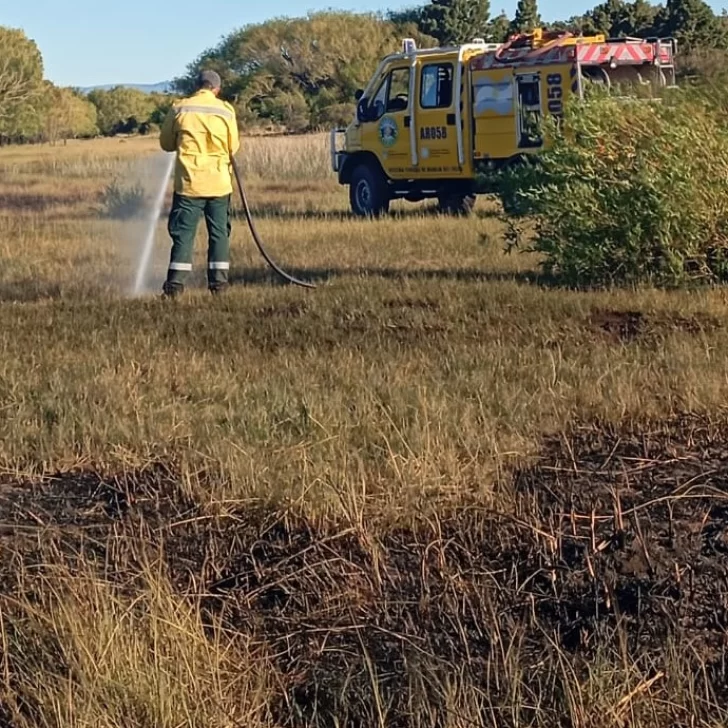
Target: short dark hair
{"points": [[209, 80]]}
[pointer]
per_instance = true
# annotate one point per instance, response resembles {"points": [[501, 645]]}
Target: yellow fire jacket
{"points": [[203, 130]]}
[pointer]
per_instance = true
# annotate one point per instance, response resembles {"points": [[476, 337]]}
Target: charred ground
{"points": [[612, 554], [437, 491]]}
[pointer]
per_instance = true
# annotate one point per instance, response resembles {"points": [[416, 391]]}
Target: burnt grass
{"points": [[613, 549]]}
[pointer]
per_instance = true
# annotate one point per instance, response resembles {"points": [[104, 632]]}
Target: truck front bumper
{"points": [[337, 154]]}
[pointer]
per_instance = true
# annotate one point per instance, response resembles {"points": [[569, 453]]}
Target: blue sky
{"points": [[87, 42]]}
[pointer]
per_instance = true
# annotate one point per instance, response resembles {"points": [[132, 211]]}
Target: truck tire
{"points": [[456, 204], [368, 195]]}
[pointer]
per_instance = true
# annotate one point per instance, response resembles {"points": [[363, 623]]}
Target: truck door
{"points": [[385, 131], [435, 121], [528, 114]]}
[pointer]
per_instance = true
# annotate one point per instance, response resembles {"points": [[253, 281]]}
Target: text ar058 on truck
{"points": [[430, 120]]}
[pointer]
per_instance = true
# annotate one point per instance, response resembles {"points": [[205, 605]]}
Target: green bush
{"points": [[339, 115], [630, 192], [120, 201]]}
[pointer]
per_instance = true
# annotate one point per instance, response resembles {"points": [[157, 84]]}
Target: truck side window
{"points": [[436, 87], [398, 99], [392, 95]]}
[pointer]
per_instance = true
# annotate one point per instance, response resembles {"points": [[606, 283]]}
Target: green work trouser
{"points": [[184, 219]]}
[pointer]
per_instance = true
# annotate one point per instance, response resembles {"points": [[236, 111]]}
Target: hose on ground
{"points": [[259, 243]]}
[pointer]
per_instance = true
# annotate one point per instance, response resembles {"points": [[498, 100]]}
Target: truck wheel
{"points": [[368, 192], [456, 204]]}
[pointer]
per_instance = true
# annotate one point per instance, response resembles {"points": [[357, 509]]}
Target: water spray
{"points": [[151, 228]]}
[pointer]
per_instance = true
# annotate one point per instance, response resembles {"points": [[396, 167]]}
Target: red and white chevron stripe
{"points": [[626, 53], [589, 54]]}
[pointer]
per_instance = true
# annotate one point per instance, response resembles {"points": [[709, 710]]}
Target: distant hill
{"points": [[147, 88]]}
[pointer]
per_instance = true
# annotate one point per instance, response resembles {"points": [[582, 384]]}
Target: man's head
{"points": [[209, 81]]}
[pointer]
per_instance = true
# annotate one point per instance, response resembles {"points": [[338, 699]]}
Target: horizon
{"points": [[163, 56], [113, 84]]}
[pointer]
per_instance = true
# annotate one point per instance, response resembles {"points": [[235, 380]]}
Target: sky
{"points": [[88, 42]]}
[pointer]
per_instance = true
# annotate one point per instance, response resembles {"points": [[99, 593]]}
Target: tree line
{"points": [[302, 73], [32, 109], [692, 22]]}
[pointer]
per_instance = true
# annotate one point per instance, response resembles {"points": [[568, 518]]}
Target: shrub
{"points": [[339, 115], [630, 192], [123, 202], [289, 109], [703, 63]]}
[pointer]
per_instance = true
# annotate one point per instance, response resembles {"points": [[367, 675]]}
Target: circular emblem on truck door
{"points": [[388, 131]]}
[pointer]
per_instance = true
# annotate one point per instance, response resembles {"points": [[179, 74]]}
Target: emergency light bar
{"points": [[409, 46]]}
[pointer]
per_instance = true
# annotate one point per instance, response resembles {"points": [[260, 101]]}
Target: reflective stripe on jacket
{"points": [[203, 130]]}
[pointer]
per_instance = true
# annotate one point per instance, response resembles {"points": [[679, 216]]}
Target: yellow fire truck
{"points": [[430, 120]]}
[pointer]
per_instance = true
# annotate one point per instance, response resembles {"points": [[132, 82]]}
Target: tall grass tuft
{"points": [[79, 650], [286, 157]]}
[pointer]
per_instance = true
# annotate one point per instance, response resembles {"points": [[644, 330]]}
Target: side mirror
{"points": [[362, 110], [377, 111], [358, 94]]}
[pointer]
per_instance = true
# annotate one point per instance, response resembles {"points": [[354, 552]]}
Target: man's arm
{"points": [[233, 133], [168, 135]]}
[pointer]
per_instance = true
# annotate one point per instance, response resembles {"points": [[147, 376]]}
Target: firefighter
{"points": [[203, 131]]}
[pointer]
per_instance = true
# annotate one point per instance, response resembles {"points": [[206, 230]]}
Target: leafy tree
{"points": [[228, 59], [606, 17], [693, 24], [290, 71], [21, 76], [67, 114], [408, 23], [289, 109], [499, 28], [642, 19], [575, 24], [527, 17], [162, 104], [616, 18], [408, 16], [456, 21], [121, 110]]}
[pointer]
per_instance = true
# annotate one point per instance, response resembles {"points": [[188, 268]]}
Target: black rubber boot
{"points": [[219, 288], [172, 290]]}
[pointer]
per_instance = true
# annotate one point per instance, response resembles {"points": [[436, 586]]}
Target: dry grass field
{"points": [[432, 492]]}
